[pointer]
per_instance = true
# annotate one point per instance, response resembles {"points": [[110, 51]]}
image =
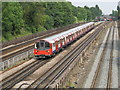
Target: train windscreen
{"points": [[42, 45]]}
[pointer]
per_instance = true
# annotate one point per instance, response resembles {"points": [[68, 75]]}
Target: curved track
{"points": [[20, 51], [104, 73], [25, 72], [54, 72]]}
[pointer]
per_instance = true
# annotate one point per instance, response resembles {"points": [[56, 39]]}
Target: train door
{"points": [[67, 39], [53, 47], [71, 37], [76, 34], [81, 31], [64, 41], [56, 44], [61, 43]]}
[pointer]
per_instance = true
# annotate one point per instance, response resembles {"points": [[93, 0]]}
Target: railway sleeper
{"points": [[65, 77]]}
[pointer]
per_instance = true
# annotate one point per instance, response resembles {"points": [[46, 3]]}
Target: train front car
{"points": [[49, 46], [43, 49]]}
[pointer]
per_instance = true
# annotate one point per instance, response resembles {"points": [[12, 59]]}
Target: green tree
{"points": [[118, 8], [95, 11], [114, 13], [12, 20], [34, 17]]}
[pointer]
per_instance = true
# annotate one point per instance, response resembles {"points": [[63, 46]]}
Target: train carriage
{"points": [[49, 46]]}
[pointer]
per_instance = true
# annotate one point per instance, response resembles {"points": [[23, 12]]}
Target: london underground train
{"points": [[51, 45]]}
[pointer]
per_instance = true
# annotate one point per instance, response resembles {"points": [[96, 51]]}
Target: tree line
{"points": [[23, 18], [118, 8]]}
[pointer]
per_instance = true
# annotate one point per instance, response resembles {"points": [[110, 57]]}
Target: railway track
{"points": [[93, 85], [104, 73], [9, 54], [24, 72], [26, 43], [110, 63], [54, 72], [10, 81]]}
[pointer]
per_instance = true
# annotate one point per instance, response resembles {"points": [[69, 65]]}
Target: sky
{"points": [[105, 5]]}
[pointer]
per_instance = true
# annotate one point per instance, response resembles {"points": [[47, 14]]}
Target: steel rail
{"points": [[110, 64], [44, 78], [10, 78], [100, 64], [19, 77], [74, 56], [27, 43], [21, 74]]}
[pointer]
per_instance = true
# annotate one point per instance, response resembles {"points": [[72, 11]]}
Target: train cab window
{"points": [[42, 45], [47, 45]]}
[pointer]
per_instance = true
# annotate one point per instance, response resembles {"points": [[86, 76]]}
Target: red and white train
{"points": [[49, 46]]}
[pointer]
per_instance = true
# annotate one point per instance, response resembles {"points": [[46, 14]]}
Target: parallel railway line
{"points": [[8, 54], [12, 80], [31, 41], [110, 64], [104, 73], [6, 82], [93, 84], [109, 60], [53, 73]]}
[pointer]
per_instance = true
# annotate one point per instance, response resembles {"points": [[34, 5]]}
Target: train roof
{"points": [[59, 36]]}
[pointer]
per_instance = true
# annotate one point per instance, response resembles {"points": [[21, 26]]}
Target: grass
{"points": [[23, 33], [11, 37], [69, 84]]}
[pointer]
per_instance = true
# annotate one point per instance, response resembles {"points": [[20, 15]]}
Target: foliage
{"points": [[114, 13], [95, 12], [118, 9], [33, 17], [12, 19]]}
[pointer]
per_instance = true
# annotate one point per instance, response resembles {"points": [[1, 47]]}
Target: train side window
{"points": [[61, 40], [53, 44], [64, 40], [56, 43]]}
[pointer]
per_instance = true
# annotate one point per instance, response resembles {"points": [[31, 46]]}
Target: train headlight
{"points": [[47, 51], [36, 51]]}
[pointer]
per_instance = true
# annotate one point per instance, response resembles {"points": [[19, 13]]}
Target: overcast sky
{"points": [[105, 5]]}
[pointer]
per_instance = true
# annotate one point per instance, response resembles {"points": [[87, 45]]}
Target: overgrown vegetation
{"points": [[23, 18]]}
